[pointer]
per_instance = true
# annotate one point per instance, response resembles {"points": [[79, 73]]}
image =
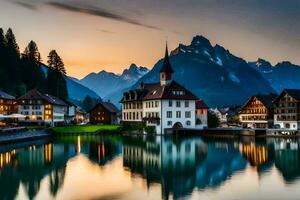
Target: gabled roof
{"points": [[295, 93], [34, 94], [166, 67], [4, 95], [108, 106], [152, 91], [265, 99], [200, 104]]}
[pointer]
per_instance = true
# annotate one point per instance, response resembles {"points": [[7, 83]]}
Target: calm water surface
{"points": [[116, 167]]}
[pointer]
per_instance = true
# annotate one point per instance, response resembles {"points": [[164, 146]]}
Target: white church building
{"points": [[161, 105]]}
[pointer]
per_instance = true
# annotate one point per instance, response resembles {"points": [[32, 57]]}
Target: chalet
{"points": [[162, 105], [104, 113], [287, 110], [8, 104], [201, 114], [222, 114], [42, 108], [258, 112]]}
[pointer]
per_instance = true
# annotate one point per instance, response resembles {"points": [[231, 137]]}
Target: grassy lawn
{"points": [[86, 129]]}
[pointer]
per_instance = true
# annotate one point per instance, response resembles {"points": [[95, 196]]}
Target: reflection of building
{"points": [[162, 105], [255, 154], [287, 158], [180, 165], [258, 112], [8, 104], [286, 110]]}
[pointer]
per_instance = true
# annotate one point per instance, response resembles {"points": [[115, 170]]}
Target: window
{"points": [[170, 103], [169, 114], [178, 104], [188, 123], [169, 123], [156, 104], [186, 104], [178, 114], [188, 114]]}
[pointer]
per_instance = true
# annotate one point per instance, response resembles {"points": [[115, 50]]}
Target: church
{"points": [[162, 105]]}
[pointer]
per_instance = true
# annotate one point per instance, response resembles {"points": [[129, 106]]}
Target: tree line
{"points": [[21, 72]]}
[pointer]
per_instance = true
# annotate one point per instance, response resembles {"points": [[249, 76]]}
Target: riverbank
{"points": [[21, 136], [86, 129]]}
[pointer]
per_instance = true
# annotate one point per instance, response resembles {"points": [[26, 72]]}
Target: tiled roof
{"points": [[153, 91], [200, 104], [266, 100], [108, 105], [4, 95], [34, 94], [295, 93]]}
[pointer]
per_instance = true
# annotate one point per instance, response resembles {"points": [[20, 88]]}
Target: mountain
{"points": [[212, 73], [111, 86], [76, 90], [280, 76]]}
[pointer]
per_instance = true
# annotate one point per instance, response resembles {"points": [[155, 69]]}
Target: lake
{"points": [[123, 167]]}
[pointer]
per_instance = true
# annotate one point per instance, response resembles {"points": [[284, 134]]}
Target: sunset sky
{"points": [[95, 35]]}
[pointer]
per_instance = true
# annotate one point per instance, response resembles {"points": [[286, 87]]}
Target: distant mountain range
{"points": [[76, 90], [210, 72], [281, 75], [111, 86]]}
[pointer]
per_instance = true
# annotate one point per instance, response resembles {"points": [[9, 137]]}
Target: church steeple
{"points": [[166, 71]]}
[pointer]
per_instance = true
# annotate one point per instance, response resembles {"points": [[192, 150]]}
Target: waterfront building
{"points": [[222, 114], [287, 110], [257, 112], [162, 105], [201, 114], [42, 108], [8, 104], [104, 113]]}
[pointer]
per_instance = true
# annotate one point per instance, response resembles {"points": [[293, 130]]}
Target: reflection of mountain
{"points": [[181, 166]]}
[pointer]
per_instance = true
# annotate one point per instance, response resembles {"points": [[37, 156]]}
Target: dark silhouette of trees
{"points": [[20, 73], [56, 83], [32, 74]]}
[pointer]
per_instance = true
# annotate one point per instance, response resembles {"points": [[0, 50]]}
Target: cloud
{"points": [[100, 12], [25, 5], [106, 31]]}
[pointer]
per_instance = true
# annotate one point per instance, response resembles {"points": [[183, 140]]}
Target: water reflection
{"points": [[179, 167]]}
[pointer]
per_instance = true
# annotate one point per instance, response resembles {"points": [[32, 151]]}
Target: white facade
{"points": [[169, 112]]}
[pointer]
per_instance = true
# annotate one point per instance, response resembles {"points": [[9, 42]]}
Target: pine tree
{"points": [[3, 76], [32, 53], [32, 74], [56, 83], [55, 62], [12, 62]]}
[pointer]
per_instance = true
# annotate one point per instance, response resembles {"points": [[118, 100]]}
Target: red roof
{"points": [[200, 104]]}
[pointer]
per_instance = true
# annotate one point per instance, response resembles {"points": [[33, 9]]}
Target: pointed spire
{"points": [[166, 65]]}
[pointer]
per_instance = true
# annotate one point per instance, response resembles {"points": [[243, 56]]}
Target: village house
{"points": [[42, 108], [104, 113], [287, 110], [258, 112], [8, 104], [162, 105], [222, 114], [201, 114]]}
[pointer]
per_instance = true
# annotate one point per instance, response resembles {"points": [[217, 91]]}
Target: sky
{"points": [[95, 35]]}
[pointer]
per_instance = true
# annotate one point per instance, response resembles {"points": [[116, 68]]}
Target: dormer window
{"points": [[178, 92]]}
